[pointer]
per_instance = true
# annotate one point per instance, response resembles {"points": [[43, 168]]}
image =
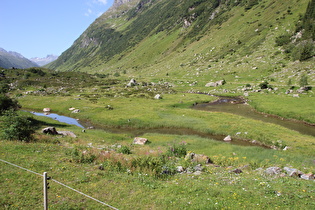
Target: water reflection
{"points": [[60, 118]]}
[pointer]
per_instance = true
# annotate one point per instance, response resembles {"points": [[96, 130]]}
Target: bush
{"points": [[15, 127], [264, 85], [124, 150], [303, 51], [283, 40], [177, 151], [7, 103], [303, 81]]}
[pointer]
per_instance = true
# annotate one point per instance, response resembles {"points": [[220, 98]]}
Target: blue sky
{"points": [[36, 28]]}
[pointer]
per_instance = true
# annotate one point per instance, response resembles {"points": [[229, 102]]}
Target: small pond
{"points": [[60, 118]]}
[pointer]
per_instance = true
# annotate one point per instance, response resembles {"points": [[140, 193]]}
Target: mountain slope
{"points": [[208, 39], [14, 60]]}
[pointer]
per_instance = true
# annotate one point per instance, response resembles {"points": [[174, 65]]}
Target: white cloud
{"points": [[104, 2], [88, 13], [95, 7]]}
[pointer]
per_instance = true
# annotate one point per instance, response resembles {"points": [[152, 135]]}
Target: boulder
{"points": [[198, 158], [50, 130], [228, 138], [308, 176], [67, 133], [215, 84], [76, 111], [198, 167], [131, 83], [180, 169], [46, 110], [273, 170], [211, 84], [140, 141], [157, 96], [292, 172]]}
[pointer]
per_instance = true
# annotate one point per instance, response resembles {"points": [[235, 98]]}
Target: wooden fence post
{"points": [[45, 192]]}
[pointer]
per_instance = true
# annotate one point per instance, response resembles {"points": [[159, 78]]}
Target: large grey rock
{"points": [[292, 172], [140, 141], [67, 133], [273, 170], [46, 110], [200, 158], [308, 176], [50, 130]]}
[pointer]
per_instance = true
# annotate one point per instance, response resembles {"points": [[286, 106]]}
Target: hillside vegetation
{"points": [[202, 40], [141, 70]]}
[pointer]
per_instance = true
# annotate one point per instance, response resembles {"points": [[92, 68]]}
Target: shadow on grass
{"points": [[39, 123]]}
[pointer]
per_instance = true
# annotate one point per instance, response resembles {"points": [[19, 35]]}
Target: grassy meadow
{"points": [[108, 167]]}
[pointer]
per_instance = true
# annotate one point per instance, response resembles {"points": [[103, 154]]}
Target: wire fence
{"points": [[77, 191]]}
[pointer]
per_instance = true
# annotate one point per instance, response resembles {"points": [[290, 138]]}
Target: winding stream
{"points": [[239, 107], [229, 105]]}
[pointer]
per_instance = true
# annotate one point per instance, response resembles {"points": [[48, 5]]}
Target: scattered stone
{"points": [[198, 167], [158, 96], [228, 138], [198, 158], [273, 170], [296, 96], [109, 107], [308, 176], [286, 148], [292, 172], [215, 84], [71, 109], [101, 167], [76, 111], [67, 133], [237, 171], [197, 173], [132, 83], [50, 130], [46, 110], [140, 141], [180, 169]]}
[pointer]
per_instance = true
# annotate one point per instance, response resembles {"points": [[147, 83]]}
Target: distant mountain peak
{"points": [[45, 60]]}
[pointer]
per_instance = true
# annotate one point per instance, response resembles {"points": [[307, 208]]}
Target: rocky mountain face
{"points": [[10, 59], [44, 61], [192, 38]]}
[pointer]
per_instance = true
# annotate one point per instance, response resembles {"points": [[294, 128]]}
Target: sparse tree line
{"points": [[301, 45]]}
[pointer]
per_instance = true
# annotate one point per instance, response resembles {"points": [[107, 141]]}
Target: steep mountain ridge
{"points": [[11, 59], [187, 39]]}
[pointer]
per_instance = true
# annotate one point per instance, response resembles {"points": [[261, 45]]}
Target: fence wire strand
{"points": [[77, 191]]}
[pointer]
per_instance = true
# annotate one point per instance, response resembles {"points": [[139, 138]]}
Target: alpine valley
{"points": [[177, 104]]}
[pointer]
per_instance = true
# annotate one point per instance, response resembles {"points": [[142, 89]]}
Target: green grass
{"points": [[217, 187], [286, 106]]}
